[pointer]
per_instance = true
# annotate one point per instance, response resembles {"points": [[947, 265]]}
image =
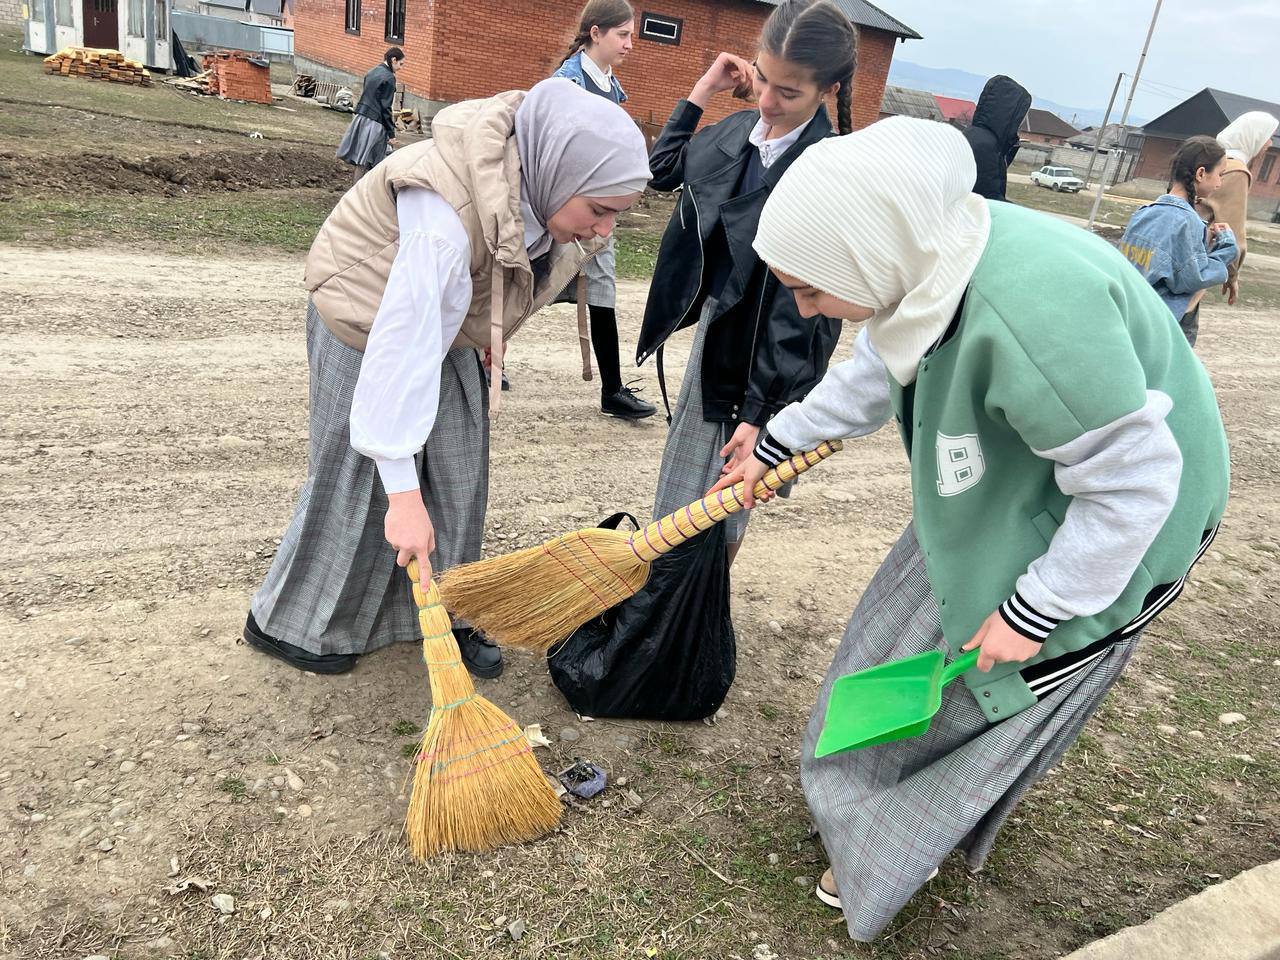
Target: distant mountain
{"points": [[967, 86]]}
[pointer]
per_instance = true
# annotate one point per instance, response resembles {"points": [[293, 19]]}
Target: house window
{"points": [[1268, 162], [661, 29], [353, 16], [61, 13], [395, 19], [162, 21], [137, 18]]}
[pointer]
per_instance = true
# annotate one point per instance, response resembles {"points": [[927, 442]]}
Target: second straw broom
{"points": [[538, 596]]}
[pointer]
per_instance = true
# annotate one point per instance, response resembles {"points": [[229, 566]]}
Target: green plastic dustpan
{"points": [[890, 702]]}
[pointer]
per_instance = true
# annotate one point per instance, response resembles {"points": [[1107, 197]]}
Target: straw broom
{"points": [[477, 784], [539, 596]]}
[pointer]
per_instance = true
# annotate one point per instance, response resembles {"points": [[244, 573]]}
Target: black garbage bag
{"points": [[668, 653], [183, 64]]}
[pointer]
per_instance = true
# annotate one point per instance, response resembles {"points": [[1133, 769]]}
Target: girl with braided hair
{"points": [[1179, 255], [752, 352]]}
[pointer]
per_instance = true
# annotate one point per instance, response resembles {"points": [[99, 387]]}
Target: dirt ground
{"points": [[154, 434], [153, 429]]}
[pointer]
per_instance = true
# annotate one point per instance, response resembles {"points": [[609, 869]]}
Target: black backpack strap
{"points": [[614, 521], [662, 384]]}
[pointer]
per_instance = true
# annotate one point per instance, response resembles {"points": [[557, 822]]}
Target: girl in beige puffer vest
{"points": [[447, 246]]}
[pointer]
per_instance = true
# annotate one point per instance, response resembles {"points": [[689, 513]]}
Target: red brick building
{"points": [[461, 49], [1207, 112], [1041, 126]]}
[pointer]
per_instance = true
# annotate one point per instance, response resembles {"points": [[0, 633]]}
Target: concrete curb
{"points": [[1236, 920]]}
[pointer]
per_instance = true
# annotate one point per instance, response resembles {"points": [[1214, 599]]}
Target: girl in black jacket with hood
{"points": [[752, 352]]}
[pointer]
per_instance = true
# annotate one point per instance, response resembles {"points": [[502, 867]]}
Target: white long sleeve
{"points": [[427, 296], [852, 400]]}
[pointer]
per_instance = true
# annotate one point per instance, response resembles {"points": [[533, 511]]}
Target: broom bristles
{"points": [[536, 597], [477, 784]]}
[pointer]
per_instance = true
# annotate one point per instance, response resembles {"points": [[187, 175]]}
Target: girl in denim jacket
{"points": [[1169, 243]]}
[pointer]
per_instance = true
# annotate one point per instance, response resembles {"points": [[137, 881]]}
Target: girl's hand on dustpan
{"points": [[1000, 644], [409, 530], [749, 474]]}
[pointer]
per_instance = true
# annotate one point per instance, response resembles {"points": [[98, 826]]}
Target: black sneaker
{"points": [[295, 656], [626, 405], [483, 659]]}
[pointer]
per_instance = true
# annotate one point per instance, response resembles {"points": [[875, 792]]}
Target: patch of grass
{"points": [[769, 711], [1111, 212], [404, 728], [284, 220], [409, 750], [234, 787], [637, 253]]}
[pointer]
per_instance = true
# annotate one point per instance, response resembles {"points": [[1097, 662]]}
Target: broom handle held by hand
{"points": [[667, 533]]}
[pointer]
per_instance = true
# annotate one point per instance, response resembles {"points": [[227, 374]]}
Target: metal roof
{"points": [[1207, 112], [864, 14], [905, 102], [1049, 124]]}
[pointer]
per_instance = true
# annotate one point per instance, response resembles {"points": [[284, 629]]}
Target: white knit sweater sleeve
{"points": [[852, 400], [425, 301], [1123, 480]]}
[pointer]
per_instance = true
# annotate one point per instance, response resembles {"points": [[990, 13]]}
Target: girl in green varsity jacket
{"points": [[1068, 466]]}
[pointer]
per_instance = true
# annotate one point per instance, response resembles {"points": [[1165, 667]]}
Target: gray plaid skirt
{"points": [[334, 586], [691, 461], [365, 142], [601, 273], [888, 815]]}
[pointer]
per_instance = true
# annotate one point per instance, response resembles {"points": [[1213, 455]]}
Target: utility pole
{"points": [[1102, 130], [1124, 118]]}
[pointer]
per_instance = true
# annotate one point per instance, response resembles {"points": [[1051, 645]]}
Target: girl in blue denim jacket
{"points": [[1169, 243]]}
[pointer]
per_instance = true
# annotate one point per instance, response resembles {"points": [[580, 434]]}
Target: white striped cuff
{"points": [[769, 451], [1026, 619]]}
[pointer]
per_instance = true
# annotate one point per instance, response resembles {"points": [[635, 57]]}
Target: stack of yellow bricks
{"points": [[97, 64]]}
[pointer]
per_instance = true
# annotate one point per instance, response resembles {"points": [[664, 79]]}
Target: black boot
{"points": [[483, 659], [626, 405], [295, 656]]}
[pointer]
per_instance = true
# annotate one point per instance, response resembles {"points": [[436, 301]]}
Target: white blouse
{"points": [[427, 296]]}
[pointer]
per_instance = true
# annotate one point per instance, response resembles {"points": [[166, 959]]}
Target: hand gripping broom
{"points": [[477, 785], [538, 596]]}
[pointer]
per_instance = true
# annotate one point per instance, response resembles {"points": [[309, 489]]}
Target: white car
{"points": [[1057, 178]]}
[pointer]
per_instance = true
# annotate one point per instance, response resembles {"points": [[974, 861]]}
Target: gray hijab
{"points": [[573, 143]]}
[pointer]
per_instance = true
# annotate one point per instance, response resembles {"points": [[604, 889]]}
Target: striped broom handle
{"points": [[667, 533]]}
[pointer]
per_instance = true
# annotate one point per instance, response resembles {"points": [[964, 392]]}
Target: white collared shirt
{"points": [[601, 78], [771, 150]]}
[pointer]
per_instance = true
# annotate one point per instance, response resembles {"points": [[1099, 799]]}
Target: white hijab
{"points": [[884, 218], [1246, 136]]}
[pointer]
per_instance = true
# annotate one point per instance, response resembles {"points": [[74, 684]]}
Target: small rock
{"points": [[762, 952], [174, 867], [1243, 758], [337, 907], [192, 728], [570, 735], [774, 859], [775, 627], [803, 882], [265, 913], [304, 811], [1227, 719], [295, 782], [148, 755], [224, 903], [161, 943], [516, 930], [128, 766], [1195, 734], [91, 763], [277, 782], [1165, 730], [1200, 818], [105, 845], [73, 641], [39, 817]]}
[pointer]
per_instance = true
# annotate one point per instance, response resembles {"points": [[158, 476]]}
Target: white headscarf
{"points": [[1246, 136], [884, 218], [574, 143]]}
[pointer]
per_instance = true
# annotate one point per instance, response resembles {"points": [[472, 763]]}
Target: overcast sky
{"points": [[1070, 51]]}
